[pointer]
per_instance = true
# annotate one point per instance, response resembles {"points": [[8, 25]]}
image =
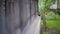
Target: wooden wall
{"points": [[19, 15], [3, 28]]}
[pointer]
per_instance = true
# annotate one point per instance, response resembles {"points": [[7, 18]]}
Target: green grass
{"points": [[53, 24], [45, 32]]}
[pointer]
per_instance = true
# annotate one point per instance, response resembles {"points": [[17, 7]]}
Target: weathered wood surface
{"points": [[21, 16], [34, 28], [3, 29]]}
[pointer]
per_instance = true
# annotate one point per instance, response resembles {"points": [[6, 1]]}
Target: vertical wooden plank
{"points": [[24, 12], [2, 18], [12, 17]]}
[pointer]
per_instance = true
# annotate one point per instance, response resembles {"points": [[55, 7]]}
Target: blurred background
{"points": [[50, 16], [29, 16]]}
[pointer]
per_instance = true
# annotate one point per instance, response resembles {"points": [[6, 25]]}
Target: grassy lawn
{"points": [[53, 24]]}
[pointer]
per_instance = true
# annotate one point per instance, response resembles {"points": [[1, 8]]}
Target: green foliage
{"points": [[45, 4], [52, 15], [58, 11], [53, 20], [57, 32]]}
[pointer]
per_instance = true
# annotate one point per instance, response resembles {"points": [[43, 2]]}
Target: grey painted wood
{"points": [[20, 15], [3, 29], [34, 28], [12, 18]]}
